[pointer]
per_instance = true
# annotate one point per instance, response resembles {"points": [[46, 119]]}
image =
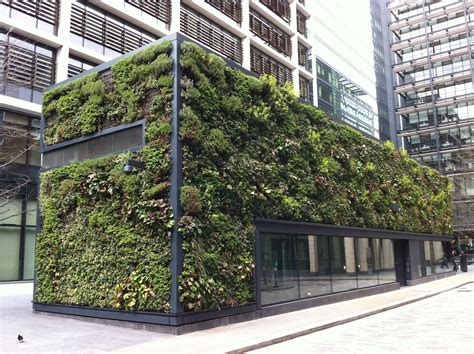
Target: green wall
{"points": [[250, 150]]}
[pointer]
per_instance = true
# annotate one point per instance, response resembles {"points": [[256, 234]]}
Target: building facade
{"points": [[44, 42], [432, 45], [346, 81]]}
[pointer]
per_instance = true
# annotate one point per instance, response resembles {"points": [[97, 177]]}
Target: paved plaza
{"points": [[442, 323], [439, 319]]}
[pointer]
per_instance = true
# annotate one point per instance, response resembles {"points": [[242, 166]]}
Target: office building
{"points": [[432, 45], [347, 87], [44, 42]]}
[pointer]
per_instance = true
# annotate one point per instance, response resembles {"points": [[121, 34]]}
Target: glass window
{"points": [[279, 281], [367, 272], [384, 251], [343, 263], [313, 265]]}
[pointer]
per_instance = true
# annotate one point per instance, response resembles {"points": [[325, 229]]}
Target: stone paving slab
{"points": [[438, 324], [263, 332]]}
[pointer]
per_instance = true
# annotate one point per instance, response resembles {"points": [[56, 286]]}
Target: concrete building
{"points": [[44, 42], [432, 45]]}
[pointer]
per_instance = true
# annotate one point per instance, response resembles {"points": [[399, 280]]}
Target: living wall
{"points": [[251, 150], [105, 238]]}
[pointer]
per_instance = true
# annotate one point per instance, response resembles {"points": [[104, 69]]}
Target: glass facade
{"points": [[19, 168], [433, 63], [437, 258], [341, 98], [300, 266]]}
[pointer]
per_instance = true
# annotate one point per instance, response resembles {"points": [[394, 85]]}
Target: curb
{"points": [[304, 332]]}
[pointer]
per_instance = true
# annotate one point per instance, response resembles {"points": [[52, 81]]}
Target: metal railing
{"points": [[301, 24], [159, 9], [304, 57], [263, 64]]}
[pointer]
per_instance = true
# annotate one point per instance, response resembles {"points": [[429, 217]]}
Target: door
{"points": [[401, 260]]}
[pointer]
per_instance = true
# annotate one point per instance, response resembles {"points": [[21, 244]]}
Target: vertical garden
{"points": [[250, 149]]}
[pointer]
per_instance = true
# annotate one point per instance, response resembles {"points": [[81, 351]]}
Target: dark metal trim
{"points": [[81, 139], [306, 228], [258, 275], [167, 319], [176, 181]]}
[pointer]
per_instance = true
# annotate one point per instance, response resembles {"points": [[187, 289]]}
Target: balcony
{"points": [[230, 8], [158, 9], [279, 7], [304, 57], [301, 24], [211, 34], [271, 34], [261, 63]]}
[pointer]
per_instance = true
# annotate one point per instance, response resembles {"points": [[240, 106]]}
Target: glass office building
{"points": [[432, 45], [346, 82]]}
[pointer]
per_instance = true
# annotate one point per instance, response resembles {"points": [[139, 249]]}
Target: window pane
{"points": [[279, 280], [313, 265], [386, 261], [343, 263], [367, 274], [9, 252]]}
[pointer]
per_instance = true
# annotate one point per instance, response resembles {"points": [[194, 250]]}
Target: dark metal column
{"points": [[176, 182]]}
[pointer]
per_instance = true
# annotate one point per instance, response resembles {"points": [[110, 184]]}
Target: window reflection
{"points": [[301, 266], [313, 265]]}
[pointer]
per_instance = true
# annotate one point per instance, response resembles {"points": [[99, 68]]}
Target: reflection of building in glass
{"points": [[383, 71], [433, 62], [19, 167], [341, 99]]}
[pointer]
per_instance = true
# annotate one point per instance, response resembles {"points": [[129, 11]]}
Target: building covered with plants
{"points": [[178, 188]]}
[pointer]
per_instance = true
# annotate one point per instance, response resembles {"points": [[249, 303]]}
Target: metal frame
{"points": [[306, 228]]}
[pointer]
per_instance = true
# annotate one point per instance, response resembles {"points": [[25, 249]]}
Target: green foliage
{"points": [[252, 150], [189, 199], [105, 238], [140, 87]]}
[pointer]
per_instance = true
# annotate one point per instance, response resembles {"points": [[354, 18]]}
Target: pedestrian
{"points": [[455, 267]]}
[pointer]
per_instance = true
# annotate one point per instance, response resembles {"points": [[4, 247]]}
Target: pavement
{"points": [[46, 333]]}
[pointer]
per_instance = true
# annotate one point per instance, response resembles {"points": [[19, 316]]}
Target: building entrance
{"points": [[401, 260]]}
